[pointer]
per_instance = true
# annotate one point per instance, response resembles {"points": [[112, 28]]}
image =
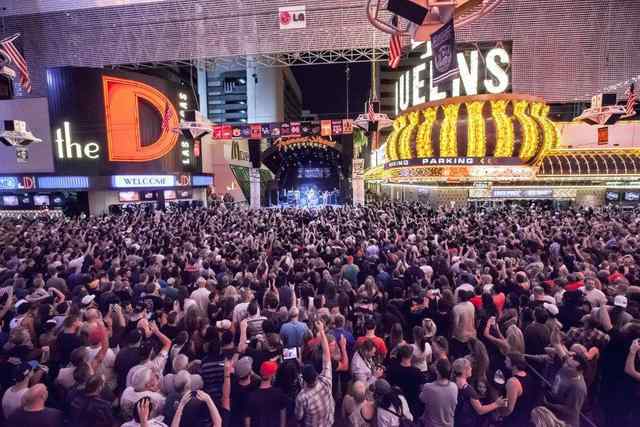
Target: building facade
{"points": [[250, 95]]}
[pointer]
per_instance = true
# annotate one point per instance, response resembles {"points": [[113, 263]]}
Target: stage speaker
{"points": [[254, 153], [347, 154], [408, 10]]}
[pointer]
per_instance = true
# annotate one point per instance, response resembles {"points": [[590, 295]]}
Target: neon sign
{"points": [[481, 71], [67, 149]]}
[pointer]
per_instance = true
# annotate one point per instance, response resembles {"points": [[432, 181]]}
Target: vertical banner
{"points": [[347, 126], [445, 63], [227, 132], [325, 127], [254, 188], [256, 132], [295, 129], [336, 127], [358, 182]]}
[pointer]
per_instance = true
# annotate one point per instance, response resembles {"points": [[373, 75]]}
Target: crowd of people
{"points": [[394, 314]]}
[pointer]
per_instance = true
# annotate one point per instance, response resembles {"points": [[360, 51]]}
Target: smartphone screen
{"points": [[290, 353]]}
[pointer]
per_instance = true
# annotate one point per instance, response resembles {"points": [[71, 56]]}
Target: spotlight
{"points": [[15, 134]]}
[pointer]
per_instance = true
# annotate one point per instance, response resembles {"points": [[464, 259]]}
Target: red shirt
{"points": [[381, 347], [572, 287], [498, 300]]}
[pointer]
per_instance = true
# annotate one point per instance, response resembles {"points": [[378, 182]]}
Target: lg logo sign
{"points": [[292, 17]]}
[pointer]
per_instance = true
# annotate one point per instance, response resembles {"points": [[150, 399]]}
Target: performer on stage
{"points": [[311, 197], [325, 198]]}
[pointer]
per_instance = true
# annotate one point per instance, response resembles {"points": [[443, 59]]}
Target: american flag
{"points": [[395, 46], [9, 49], [166, 117], [632, 98]]}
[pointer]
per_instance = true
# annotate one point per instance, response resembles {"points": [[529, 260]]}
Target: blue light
{"points": [[9, 183], [63, 182], [201, 180]]}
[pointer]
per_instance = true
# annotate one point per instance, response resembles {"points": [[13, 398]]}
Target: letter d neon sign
{"points": [[121, 99]]}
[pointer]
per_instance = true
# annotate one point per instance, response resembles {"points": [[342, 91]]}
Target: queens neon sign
{"points": [[481, 71]]}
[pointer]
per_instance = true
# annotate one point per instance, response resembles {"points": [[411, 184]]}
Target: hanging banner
{"points": [[358, 182], [227, 132], [285, 129], [274, 130], [347, 126], [256, 132], [325, 127], [295, 129], [336, 127], [445, 63]]}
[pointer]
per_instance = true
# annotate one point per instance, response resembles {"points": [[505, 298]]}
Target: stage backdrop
{"points": [[105, 122]]}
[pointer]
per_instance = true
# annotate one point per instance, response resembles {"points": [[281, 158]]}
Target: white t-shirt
{"points": [[130, 397], [106, 367], [420, 356], [595, 297], [12, 401], [157, 365], [65, 377]]}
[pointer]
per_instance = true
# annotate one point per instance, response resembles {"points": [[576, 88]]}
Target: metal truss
{"points": [[278, 59]]}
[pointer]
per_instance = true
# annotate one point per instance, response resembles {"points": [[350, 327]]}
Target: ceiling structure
{"points": [[563, 50]]}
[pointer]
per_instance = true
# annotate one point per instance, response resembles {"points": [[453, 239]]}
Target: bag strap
{"points": [[399, 415]]}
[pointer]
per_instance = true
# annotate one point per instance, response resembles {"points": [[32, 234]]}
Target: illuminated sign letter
{"points": [[67, 149], [434, 92], [121, 100], [403, 91], [493, 68], [468, 74], [418, 84]]}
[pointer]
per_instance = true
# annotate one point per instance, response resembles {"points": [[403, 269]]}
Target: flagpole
{"points": [[10, 38]]}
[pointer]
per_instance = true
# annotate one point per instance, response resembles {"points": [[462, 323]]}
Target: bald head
{"points": [[35, 397], [92, 315], [359, 391]]}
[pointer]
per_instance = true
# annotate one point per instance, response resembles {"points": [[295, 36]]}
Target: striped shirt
{"points": [[212, 373], [315, 406]]}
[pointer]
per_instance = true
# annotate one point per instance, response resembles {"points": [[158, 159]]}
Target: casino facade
{"points": [[503, 129]]}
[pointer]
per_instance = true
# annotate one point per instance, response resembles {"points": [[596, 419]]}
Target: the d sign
{"points": [[121, 99]]}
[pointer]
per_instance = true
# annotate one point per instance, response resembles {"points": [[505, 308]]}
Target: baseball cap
{"points": [[21, 371], [309, 373], [243, 367], [551, 308], [381, 387], [268, 369], [88, 299], [620, 301], [19, 303]]}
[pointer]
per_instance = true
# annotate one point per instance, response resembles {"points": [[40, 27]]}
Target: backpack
{"points": [[404, 421]]}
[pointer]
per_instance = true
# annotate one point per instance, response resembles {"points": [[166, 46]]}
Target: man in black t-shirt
{"points": [[68, 340], [242, 385], [408, 378], [268, 403]]}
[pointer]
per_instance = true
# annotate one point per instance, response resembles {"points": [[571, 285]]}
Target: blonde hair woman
{"points": [[543, 417]]}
